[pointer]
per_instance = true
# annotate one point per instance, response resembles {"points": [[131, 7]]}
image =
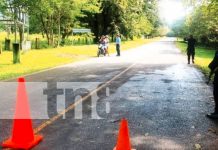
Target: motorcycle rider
{"points": [[103, 43]]}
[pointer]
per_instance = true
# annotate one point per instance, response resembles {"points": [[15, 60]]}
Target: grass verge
{"points": [[202, 58], [38, 60]]}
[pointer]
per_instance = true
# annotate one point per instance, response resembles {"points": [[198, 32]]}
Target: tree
{"points": [[128, 17], [43, 11], [180, 28], [16, 11], [151, 11], [202, 23], [55, 17]]}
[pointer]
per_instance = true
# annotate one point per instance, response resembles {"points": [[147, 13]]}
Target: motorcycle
{"points": [[101, 50]]}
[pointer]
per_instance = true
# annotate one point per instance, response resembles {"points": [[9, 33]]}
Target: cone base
{"points": [[115, 148], [10, 144]]}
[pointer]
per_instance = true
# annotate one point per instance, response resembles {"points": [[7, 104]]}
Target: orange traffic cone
{"points": [[22, 134], [123, 141]]}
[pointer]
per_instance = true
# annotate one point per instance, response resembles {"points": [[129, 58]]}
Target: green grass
{"points": [[37, 60], [203, 56]]}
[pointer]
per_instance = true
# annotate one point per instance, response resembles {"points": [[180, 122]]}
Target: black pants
{"points": [[118, 49], [191, 54], [215, 92]]}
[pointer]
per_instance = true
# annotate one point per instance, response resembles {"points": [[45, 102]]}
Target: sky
{"points": [[171, 10]]}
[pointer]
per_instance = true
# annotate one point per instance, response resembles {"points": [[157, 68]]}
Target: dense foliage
{"points": [[202, 23], [56, 18]]}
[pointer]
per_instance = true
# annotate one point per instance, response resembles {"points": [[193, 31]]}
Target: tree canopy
{"points": [[56, 18], [202, 22]]}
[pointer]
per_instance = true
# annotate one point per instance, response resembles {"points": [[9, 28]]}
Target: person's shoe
{"points": [[193, 61], [188, 62], [213, 115]]}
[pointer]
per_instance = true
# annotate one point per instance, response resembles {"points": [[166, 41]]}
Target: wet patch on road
{"points": [[166, 80]]}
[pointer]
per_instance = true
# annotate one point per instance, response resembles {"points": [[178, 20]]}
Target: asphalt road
{"points": [[163, 98]]}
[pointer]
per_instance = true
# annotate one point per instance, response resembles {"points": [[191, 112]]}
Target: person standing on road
{"points": [[214, 70], [191, 49], [118, 44]]}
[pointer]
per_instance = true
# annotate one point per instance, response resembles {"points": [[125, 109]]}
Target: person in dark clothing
{"points": [[191, 49], [214, 70]]}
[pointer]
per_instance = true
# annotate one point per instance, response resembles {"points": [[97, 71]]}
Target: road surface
{"points": [[163, 98]]}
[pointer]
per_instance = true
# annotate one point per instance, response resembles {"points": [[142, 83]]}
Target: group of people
{"points": [[104, 41], [214, 71]]}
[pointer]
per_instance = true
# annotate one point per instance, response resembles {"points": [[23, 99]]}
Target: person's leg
{"points": [[215, 94], [108, 51], [193, 57], [104, 48], [188, 57], [118, 49], [214, 115]]}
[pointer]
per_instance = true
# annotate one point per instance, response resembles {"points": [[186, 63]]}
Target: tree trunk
{"points": [[16, 53], [47, 29], [21, 36]]}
